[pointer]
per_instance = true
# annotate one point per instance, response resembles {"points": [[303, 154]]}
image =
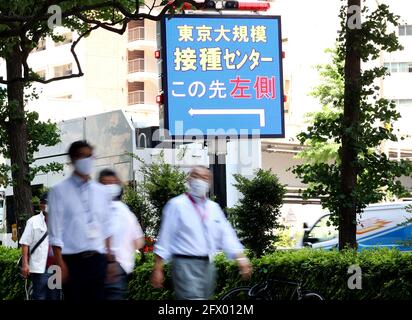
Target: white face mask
{"points": [[114, 190], [84, 166], [46, 209], [198, 187]]}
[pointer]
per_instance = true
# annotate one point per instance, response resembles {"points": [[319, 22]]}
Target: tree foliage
{"points": [[257, 212], [39, 133], [161, 182], [376, 175]]}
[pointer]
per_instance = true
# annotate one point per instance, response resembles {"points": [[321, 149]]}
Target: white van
{"points": [[380, 225]]}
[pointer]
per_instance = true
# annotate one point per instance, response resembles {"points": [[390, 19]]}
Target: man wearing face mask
{"points": [[193, 229], [126, 239], [79, 228], [37, 255]]}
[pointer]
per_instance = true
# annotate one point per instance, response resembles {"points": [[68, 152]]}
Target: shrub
{"points": [[386, 274], [257, 212], [11, 284]]}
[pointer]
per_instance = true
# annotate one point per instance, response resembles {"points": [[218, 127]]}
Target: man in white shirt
{"points": [[126, 239], [35, 265], [193, 229], [79, 228]]}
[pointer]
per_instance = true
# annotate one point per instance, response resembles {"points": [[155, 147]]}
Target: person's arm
{"points": [[138, 235], [55, 230], [162, 246], [25, 270], [58, 258], [138, 243], [26, 241], [107, 227], [158, 275], [233, 248]]}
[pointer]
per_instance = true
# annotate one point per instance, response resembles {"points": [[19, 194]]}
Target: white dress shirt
{"points": [[33, 232], [126, 229], [79, 216], [183, 232]]}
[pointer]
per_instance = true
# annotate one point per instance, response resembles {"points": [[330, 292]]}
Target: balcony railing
{"points": [[136, 97], [136, 34], [136, 65]]}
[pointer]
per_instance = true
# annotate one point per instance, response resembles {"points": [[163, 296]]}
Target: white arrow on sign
{"points": [[260, 112]]}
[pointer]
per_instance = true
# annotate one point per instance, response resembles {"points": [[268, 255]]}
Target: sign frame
{"points": [[164, 74]]}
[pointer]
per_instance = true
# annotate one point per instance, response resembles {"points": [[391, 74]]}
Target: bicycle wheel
{"points": [[311, 296], [240, 293]]}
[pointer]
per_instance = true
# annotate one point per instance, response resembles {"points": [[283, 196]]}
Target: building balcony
{"points": [[137, 39], [137, 72]]}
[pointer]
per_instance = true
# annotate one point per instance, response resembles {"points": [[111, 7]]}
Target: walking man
{"points": [[193, 229], [126, 239], [37, 256], [79, 227]]}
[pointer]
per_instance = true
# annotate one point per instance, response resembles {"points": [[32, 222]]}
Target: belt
{"points": [[83, 255], [191, 257]]}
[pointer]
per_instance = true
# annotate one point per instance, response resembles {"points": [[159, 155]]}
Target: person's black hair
{"points": [[76, 146], [107, 173], [43, 198]]}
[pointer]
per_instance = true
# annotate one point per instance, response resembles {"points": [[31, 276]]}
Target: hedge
{"points": [[386, 274]]}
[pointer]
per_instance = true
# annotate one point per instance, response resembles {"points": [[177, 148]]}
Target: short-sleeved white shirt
{"points": [[34, 231], [126, 229]]}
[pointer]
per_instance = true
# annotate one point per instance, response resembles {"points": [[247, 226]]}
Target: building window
{"points": [[64, 70], [398, 67], [404, 103], [135, 61], [136, 93], [405, 30], [136, 30], [68, 38]]}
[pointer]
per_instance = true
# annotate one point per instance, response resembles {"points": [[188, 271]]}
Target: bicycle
{"points": [[272, 289]]}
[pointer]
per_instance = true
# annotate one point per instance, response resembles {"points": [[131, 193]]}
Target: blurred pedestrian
{"points": [[193, 229], [79, 227], [37, 255], [127, 237]]}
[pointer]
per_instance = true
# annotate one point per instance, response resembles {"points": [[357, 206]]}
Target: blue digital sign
{"points": [[223, 74]]}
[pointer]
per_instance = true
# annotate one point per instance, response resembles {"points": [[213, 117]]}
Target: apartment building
{"points": [[120, 72]]}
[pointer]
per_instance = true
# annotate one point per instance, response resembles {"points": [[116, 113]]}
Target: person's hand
{"points": [[157, 278], [111, 272], [64, 270], [25, 271], [245, 268]]}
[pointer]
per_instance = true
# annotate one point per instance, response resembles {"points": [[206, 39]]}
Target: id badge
{"points": [[93, 230]]}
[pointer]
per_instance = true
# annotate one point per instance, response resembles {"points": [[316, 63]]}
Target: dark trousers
{"points": [[116, 289], [87, 272], [41, 290]]}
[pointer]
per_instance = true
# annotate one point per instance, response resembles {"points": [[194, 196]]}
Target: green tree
{"points": [[256, 215], [160, 182], [22, 24], [355, 120]]}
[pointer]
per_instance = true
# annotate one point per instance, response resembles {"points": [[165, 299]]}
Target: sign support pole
{"points": [[217, 150]]}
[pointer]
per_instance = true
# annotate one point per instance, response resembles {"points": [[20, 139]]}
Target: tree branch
{"points": [[72, 49], [106, 26]]}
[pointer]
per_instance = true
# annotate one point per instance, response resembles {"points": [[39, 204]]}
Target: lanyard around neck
{"points": [[202, 213]]}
